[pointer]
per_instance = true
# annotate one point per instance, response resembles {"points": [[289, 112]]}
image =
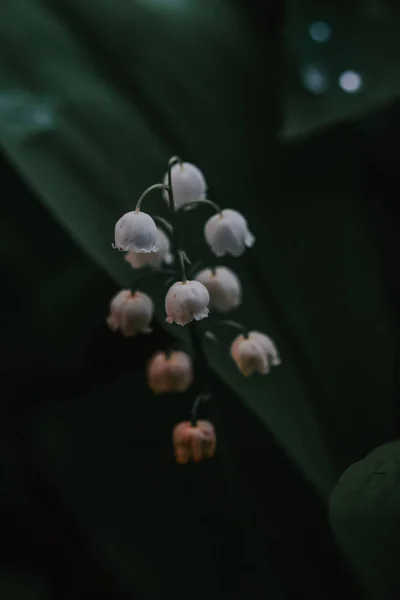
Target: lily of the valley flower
{"points": [[223, 286], [227, 233], [193, 443], [254, 353], [185, 301], [169, 372], [131, 313], [152, 259], [136, 231], [188, 184]]}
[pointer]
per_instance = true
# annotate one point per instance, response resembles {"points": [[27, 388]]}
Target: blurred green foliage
{"points": [[364, 511]]}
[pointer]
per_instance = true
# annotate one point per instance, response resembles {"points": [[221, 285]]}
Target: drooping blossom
{"points": [[152, 259], [130, 313], [255, 353], [193, 443], [185, 301], [169, 372], [136, 231], [227, 232], [224, 288], [188, 184]]}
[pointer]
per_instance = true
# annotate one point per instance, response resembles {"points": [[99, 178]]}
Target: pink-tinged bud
{"points": [[186, 301], [254, 354], [223, 286], [193, 443], [169, 372], [130, 313], [188, 184], [227, 233], [152, 259], [136, 231]]}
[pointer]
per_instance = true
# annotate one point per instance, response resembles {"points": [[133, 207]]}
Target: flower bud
{"points": [[188, 184], [227, 233], [186, 301], [152, 259], [131, 313], [223, 286], [255, 353], [193, 443], [136, 231], [169, 372]]}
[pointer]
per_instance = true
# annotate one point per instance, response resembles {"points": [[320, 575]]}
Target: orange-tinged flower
{"points": [[193, 442], [131, 313], [169, 372], [254, 353]]}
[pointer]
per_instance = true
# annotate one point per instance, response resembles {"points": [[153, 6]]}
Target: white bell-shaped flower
{"points": [[152, 259], [136, 231], [227, 233], [254, 353], [131, 313], [185, 301], [223, 286], [188, 184]]}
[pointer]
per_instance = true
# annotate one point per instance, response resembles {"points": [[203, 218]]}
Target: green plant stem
{"points": [[171, 162], [195, 203], [193, 413], [176, 247], [182, 264], [233, 324], [204, 379], [156, 186]]}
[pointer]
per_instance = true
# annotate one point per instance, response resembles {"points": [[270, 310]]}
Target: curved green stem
{"points": [[235, 325], [156, 186], [211, 336], [207, 382], [193, 413], [203, 201], [173, 160]]}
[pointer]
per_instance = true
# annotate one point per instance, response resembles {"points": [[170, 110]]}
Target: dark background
{"points": [[94, 99]]}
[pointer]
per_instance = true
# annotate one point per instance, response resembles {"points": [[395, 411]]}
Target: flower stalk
{"points": [[193, 413], [235, 325], [171, 162], [216, 288], [196, 203], [156, 186], [181, 255]]}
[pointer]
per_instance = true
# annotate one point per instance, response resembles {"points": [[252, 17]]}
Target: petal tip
{"points": [[250, 240]]}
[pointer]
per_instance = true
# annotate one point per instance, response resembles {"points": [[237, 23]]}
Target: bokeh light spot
{"points": [[320, 31], [350, 81], [314, 79]]}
